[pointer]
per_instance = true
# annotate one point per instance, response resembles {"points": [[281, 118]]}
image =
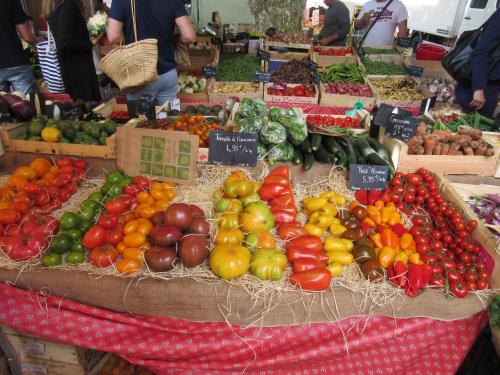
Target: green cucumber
{"points": [[332, 146], [308, 161], [349, 149], [379, 149], [315, 140], [306, 146], [323, 156], [298, 158]]}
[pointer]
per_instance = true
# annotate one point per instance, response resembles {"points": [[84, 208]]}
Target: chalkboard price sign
{"points": [[402, 127], [146, 107], [384, 113], [415, 71], [262, 76], [68, 112], [5, 118], [209, 71], [263, 55], [230, 148], [368, 177]]}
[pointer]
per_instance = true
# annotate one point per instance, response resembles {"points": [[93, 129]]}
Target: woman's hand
{"points": [[478, 100], [97, 39]]}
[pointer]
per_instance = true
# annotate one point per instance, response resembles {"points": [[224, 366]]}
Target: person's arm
{"points": [[25, 33], [481, 58], [363, 19], [188, 33], [63, 32], [403, 29], [114, 34]]}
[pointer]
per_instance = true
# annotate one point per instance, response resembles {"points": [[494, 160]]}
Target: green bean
{"points": [[346, 72], [239, 69], [383, 68], [380, 51]]}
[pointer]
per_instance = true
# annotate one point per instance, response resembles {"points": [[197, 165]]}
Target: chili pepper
{"points": [[314, 280], [377, 240], [386, 214], [426, 274], [394, 219], [369, 222], [373, 196], [386, 256], [306, 242], [386, 196], [361, 196], [414, 279], [405, 240], [390, 239], [379, 204], [400, 271], [374, 214]]}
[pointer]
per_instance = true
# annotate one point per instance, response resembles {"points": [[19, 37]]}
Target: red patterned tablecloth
{"points": [[358, 345]]}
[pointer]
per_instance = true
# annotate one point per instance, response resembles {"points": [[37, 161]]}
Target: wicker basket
{"points": [[134, 64]]}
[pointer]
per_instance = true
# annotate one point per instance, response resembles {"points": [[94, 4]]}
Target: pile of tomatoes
{"points": [[443, 237], [344, 51], [193, 124], [299, 90], [328, 120], [31, 194], [119, 116]]}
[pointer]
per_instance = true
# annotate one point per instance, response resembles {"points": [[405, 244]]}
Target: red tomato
{"points": [[94, 237], [103, 256], [115, 207], [107, 221], [113, 237], [80, 164], [64, 162]]}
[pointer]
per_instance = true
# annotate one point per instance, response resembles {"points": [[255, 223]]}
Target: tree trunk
{"points": [[284, 15]]}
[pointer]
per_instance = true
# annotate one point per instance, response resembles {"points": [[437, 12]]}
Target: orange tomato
{"points": [[145, 227], [6, 193], [133, 253], [161, 205], [120, 246], [142, 197], [158, 194], [4, 204], [40, 166], [53, 170], [48, 176], [131, 227], [128, 266], [145, 246], [145, 211], [26, 172], [16, 182], [169, 194], [134, 239]]}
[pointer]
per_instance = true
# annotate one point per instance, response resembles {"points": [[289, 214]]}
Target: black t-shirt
{"points": [[155, 19], [11, 14]]}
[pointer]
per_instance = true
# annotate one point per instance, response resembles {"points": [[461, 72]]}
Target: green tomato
{"points": [[75, 234], [90, 204], [85, 225], [69, 220], [96, 197], [125, 181], [75, 257], [105, 188], [114, 177], [61, 243], [88, 213], [78, 246], [115, 191], [51, 259]]}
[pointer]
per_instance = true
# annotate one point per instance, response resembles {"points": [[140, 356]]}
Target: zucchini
{"points": [[341, 158], [364, 147], [308, 161], [332, 146], [306, 146], [349, 149], [298, 158], [315, 140], [379, 149], [323, 156]]}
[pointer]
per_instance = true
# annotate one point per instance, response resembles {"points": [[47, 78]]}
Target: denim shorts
{"points": [[163, 89], [20, 78]]}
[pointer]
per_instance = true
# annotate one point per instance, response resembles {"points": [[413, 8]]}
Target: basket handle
{"points": [[134, 20]]}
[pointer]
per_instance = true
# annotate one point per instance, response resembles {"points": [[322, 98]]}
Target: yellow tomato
{"points": [[134, 239], [337, 229], [348, 243], [313, 217], [338, 200], [314, 230], [386, 256], [230, 262], [128, 266], [324, 221], [132, 253], [131, 227], [228, 237], [335, 244], [121, 247], [50, 134], [336, 269], [314, 204], [328, 210], [341, 257], [145, 227]]}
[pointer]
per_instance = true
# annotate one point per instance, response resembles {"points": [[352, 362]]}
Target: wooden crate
{"points": [[290, 99], [324, 61], [394, 59], [446, 164], [201, 58], [394, 102], [296, 46], [362, 115], [343, 100], [222, 97], [283, 57], [9, 133], [106, 109], [380, 55]]}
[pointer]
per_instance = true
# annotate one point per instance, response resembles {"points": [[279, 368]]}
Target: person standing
{"points": [[382, 33], [74, 48], [481, 94], [155, 19], [15, 70], [336, 26]]}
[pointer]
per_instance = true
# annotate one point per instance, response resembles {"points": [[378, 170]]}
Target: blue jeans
{"points": [[163, 89], [464, 94], [20, 78]]}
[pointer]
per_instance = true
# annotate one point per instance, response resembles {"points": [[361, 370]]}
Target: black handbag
{"points": [[457, 62]]}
